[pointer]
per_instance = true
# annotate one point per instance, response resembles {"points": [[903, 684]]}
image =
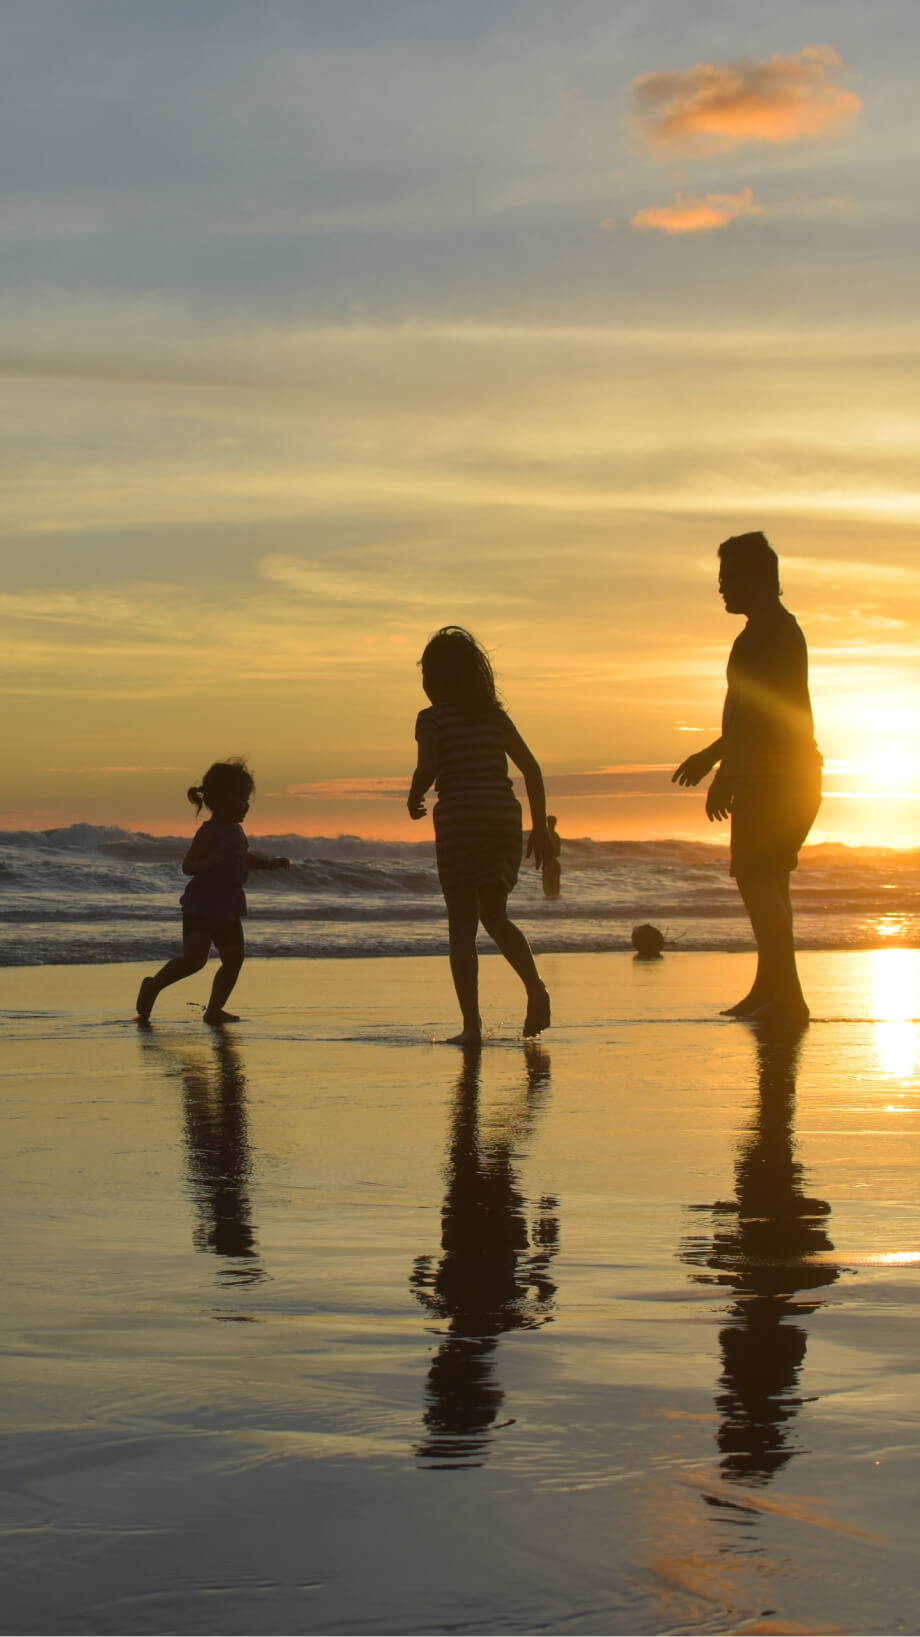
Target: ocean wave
{"points": [[79, 889]]}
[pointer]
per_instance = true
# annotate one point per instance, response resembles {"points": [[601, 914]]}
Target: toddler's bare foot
{"points": [[220, 1017], [146, 995], [538, 1016]]}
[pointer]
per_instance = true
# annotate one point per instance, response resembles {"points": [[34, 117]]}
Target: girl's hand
{"points": [[538, 845]]}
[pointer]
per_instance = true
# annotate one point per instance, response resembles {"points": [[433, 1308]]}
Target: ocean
{"points": [[91, 893]]}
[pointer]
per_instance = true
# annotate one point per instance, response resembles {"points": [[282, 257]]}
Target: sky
{"points": [[325, 324]]}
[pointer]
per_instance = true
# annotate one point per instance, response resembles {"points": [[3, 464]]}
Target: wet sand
{"points": [[314, 1326]]}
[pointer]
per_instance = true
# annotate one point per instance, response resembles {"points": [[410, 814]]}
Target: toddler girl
{"points": [[214, 902]]}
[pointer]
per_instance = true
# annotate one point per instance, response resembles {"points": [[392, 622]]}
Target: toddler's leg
{"points": [[196, 947], [493, 909], [463, 924], [232, 955]]}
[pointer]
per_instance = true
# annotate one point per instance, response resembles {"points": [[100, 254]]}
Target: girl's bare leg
{"points": [[196, 947], [463, 924], [493, 910], [231, 961]]}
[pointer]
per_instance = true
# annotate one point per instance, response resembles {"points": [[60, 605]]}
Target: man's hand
{"points": [[693, 769], [416, 806], [719, 798]]}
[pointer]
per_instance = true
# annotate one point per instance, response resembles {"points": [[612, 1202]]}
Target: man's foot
{"points": [[780, 1014], [219, 1017], [538, 1017], [146, 995], [744, 1008]]}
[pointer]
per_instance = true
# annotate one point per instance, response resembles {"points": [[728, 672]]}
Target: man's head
{"points": [[748, 572]]}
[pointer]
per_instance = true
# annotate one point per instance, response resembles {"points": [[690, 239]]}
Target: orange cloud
{"points": [[690, 215], [716, 107]]}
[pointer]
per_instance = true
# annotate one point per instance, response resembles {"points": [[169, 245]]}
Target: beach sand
{"points": [[312, 1325]]}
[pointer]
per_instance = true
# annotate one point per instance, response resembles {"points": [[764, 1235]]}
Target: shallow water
{"points": [[315, 1326]]}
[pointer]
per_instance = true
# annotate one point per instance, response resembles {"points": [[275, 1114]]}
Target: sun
{"points": [[892, 767]]}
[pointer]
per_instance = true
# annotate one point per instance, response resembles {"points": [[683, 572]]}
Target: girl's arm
{"points": [[524, 758], [424, 776]]}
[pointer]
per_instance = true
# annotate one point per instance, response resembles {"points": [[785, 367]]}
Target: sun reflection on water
{"points": [[895, 985]]}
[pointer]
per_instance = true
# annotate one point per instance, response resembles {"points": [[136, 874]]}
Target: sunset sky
{"points": [[327, 322]]}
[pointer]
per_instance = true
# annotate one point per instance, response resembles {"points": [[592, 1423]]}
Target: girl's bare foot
{"points": [[146, 995], [220, 1017], [470, 1035], [538, 1017]]}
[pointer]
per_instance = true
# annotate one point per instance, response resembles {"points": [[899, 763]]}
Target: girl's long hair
{"points": [[222, 783], [456, 671]]}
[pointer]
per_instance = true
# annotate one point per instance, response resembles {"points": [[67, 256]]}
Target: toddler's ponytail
{"points": [[195, 795]]}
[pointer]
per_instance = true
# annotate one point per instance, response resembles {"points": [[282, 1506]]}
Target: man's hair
{"points": [[754, 556]]}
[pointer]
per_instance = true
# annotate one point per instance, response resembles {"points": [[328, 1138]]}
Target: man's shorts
{"points": [[771, 821]]}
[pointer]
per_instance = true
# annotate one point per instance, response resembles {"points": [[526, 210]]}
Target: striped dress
{"points": [[477, 817]]}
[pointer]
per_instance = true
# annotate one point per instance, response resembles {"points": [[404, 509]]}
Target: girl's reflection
{"points": [[217, 1154], [761, 1248], [494, 1273]]}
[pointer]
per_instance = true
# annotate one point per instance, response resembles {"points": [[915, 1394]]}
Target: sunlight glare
{"points": [[892, 765], [895, 982]]}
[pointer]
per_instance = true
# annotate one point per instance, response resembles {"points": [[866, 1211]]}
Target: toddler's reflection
{"points": [[494, 1273], [761, 1247], [217, 1153]]}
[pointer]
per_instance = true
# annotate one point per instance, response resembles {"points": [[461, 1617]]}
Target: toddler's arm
{"points": [[261, 861], [200, 856]]}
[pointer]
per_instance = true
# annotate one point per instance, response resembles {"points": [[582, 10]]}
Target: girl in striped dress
{"points": [[464, 739]]}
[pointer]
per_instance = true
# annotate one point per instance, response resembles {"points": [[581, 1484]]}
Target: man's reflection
{"points": [[217, 1154], [760, 1248], [494, 1271]]}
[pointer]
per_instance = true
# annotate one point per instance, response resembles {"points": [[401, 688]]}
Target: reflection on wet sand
{"points": [[760, 1247], [217, 1154], [494, 1272]]}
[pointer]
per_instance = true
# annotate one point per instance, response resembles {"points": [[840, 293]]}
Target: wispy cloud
{"points": [[887, 575], [717, 107], [349, 789], [691, 214]]}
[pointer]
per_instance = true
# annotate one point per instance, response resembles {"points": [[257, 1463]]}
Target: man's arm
{"points": [[699, 764]]}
